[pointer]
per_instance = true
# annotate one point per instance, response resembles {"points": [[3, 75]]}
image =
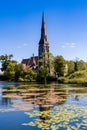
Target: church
{"points": [[35, 62]]}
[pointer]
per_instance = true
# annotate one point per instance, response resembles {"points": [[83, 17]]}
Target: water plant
{"points": [[65, 117]]}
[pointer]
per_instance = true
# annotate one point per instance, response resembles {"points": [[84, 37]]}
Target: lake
{"points": [[30, 106]]}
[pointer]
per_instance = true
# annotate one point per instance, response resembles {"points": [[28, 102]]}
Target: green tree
{"points": [[80, 65], [24, 74], [19, 70], [9, 72], [44, 72], [59, 65], [5, 59], [71, 66], [8, 66]]}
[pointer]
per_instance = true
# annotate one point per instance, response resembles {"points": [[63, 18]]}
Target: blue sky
{"points": [[66, 23]]}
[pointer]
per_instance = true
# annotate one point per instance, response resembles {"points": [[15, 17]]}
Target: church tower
{"points": [[43, 50]]}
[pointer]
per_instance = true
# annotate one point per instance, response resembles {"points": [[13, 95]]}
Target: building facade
{"points": [[35, 62]]}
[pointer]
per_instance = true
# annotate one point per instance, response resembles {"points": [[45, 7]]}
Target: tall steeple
{"points": [[43, 31], [43, 49]]}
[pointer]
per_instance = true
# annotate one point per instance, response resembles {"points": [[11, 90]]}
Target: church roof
{"points": [[30, 61]]}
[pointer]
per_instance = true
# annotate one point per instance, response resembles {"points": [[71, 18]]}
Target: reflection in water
{"points": [[26, 99], [50, 106], [6, 101], [77, 98]]}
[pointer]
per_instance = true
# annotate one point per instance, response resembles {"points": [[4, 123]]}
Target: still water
{"points": [[42, 107]]}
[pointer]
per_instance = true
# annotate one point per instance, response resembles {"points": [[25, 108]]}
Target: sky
{"points": [[66, 25]]}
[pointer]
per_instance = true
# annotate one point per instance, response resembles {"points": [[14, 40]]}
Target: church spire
{"points": [[43, 50], [43, 28]]}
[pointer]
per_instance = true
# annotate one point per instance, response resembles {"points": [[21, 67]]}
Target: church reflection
{"points": [[43, 98]]}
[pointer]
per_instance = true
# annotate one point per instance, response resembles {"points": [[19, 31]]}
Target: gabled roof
{"points": [[33, 61]]}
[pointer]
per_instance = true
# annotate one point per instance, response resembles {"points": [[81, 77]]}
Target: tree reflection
{"points": [[44, 98]]}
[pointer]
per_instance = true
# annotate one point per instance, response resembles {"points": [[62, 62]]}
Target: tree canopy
{"points": [[59, 65]]}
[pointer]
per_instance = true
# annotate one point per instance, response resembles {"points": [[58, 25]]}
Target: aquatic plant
{"points": [[65, 117]]}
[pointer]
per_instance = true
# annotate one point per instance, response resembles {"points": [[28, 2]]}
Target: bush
{"points": [[62, 80], [79, 77], [78, 81], [20, 79], [78, 74]]}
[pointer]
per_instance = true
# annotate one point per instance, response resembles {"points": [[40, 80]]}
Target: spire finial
{"points": [[43, 18]]}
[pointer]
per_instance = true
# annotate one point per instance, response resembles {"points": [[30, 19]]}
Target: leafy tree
{"points": [[44, 71], [19, 70], [8, 66], [80, 65], [9, 72], [5, 59], [59, 65], [24, 74], [71, 66]]}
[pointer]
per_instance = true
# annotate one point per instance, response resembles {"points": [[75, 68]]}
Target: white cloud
{"points": [[22, 45], [25, 44], [69, 45]]}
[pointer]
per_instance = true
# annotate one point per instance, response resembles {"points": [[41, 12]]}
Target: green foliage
{"points": [[44, 72], [19, 70], [79, 77], [26, 75], [62, 80], [16, 72], [78, 74], [71, 66], [13, 71], [59, 65], [80, 65], [5, 59], [77, 81], [10, 70]]}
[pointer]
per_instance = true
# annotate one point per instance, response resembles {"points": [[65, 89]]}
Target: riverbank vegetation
{"points": [[61, 70]]}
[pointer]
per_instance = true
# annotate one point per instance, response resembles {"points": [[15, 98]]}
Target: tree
{"points": [[80, 65], [5, 59], [71, 66], [24, 74], [19, 69], [44, 71], [8, 66], [59, 65], [9, 72]]}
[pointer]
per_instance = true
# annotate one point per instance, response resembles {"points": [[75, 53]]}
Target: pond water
{"points": [[42, 107]]}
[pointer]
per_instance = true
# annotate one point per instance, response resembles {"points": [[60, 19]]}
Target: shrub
{"points": [[77, 81], [78, 74], [62, 80]]}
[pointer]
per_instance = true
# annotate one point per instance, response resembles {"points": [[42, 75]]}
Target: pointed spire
{"points": [[43, 29], [43, 19]]}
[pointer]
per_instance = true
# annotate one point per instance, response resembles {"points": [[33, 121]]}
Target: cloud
{"points": [[25, 44], [69, 45], [22, 45]]}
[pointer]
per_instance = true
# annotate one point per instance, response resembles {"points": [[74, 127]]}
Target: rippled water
{"points": [[35, 106]]}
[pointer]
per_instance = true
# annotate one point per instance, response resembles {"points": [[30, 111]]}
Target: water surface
{"points": [[35, 106]]}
